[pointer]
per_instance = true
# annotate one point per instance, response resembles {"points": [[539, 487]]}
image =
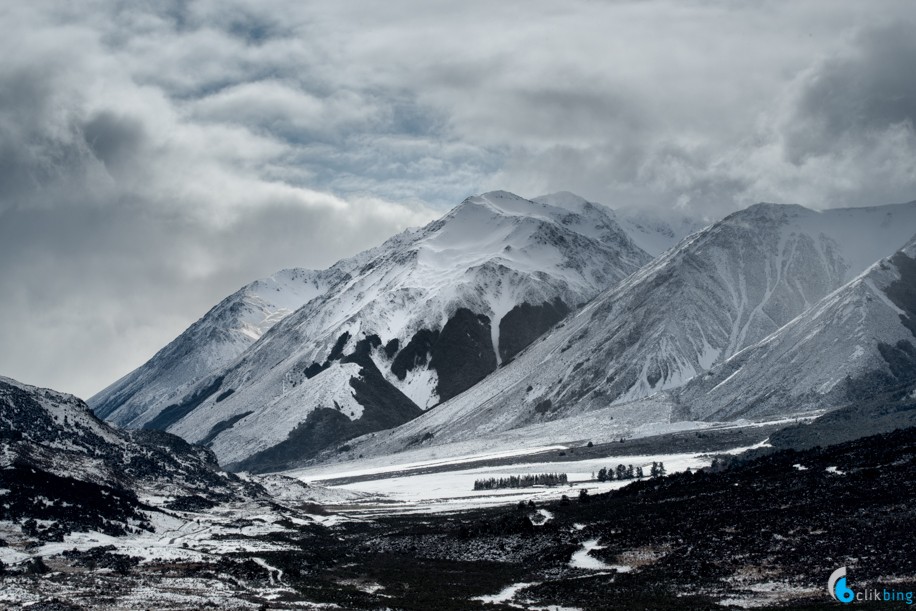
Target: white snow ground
{"points": [[450, 491], [405, 482]]}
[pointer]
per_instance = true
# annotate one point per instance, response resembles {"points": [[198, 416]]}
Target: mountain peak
{"points": [[500, 194], [764, 210], [564, 199], [506, 204], [410, 324]]}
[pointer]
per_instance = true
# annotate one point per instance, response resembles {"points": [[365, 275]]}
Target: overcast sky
{"points": [[155, 156]]}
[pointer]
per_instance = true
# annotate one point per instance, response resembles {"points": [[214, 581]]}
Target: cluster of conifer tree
{"points": [[521, 481], [629, 472]]}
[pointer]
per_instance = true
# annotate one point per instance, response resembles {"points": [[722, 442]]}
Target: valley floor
{"points": [[765, 532]]}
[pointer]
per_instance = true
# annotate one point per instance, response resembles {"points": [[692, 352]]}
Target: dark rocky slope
{"points": [[62, 465]]}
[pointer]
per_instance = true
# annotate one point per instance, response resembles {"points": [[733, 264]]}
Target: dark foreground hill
{"points": [[64, 470]]}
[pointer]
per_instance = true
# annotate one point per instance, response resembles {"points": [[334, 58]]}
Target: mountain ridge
{"points": [[855, 343], [434, 309], [214, 340], [602, 355]]}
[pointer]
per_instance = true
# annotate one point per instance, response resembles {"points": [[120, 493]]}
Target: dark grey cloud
{"points": [[115, 140], [156, 156], [857, 96]]}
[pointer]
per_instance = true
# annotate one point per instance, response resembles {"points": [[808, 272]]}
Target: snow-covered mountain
{"points": [[61, 464], [856, 343], [211, 343], [653, 231], [719, 291], [416, 321]]}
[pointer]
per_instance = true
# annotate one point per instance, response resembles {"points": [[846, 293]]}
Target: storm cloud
{"points": [[156, 156]]}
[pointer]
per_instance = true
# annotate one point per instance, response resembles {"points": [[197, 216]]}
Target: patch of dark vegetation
{"points": [[245, 569], [415, 354], [337, 351], [102, 557], [525, 323], [391, 348], [522, 481], [335, 355], [190, 502], [463, 354], [656, 372], [224, 395], [221, 426], [543, 407], [173, 413], [64, 505], [362, 352], [315, 368]]}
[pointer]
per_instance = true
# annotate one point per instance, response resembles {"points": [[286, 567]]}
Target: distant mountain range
{"points": [[508, 313]]}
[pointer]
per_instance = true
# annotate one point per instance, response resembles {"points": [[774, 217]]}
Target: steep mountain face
{"points": [[61, 464], [855, 344], [417, 321], [720, 291], [211, 343]]}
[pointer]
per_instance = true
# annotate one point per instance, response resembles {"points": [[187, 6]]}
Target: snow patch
{"points": [[506, 594], [419, 385], [582, 559]]}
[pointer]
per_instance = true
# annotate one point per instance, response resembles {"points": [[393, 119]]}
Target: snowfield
{"points": [[453, 490]]}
